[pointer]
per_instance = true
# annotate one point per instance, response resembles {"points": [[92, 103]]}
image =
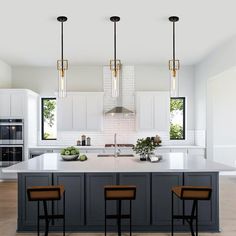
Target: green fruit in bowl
{"points": [[83, 158], [67, 152], [73, 152]]}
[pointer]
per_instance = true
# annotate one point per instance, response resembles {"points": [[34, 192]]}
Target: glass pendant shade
{"points": [[174, 78], [62, 71], [115, 78]]}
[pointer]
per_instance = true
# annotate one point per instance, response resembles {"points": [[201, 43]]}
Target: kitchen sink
{"points": [[112, 155]]}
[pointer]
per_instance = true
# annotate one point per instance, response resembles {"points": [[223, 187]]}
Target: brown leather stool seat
{"points": [[119, 193], [194, 193], [44, 194], [40, 193]]}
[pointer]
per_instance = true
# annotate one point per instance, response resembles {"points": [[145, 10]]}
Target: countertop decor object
{"points": [[70, 153], [144, 147]]}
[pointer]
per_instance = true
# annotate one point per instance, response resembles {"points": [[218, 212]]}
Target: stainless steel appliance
{"points": [[10, 154], [11, 131], [11, 141]]}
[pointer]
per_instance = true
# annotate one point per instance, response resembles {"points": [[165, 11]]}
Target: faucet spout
{"points": [[116, 151]]}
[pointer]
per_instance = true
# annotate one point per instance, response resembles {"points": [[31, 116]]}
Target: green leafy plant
{"points": [[145, 146], [49, 106], [176, 131]]}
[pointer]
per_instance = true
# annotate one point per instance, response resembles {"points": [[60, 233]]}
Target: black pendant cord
{"points": [[115, 45], [62, 42], [174, 45]]}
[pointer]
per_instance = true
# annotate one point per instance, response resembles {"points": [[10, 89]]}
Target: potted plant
{"points": [[144, 147]]}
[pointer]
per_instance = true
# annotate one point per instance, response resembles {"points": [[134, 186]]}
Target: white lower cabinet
{"points": [[80, 111]]}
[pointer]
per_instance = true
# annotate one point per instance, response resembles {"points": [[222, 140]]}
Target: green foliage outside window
{"points": [[177, 118]]}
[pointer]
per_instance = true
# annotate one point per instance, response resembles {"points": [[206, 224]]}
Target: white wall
{"points": [[218, 61], [43, 80], [221, 123], [5, 75]]}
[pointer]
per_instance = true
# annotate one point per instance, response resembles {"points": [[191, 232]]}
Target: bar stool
{"points": [[194, 193], [44, 194], [119, 193]]}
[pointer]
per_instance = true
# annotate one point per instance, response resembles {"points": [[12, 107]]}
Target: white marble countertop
{"points": [[171, 162]]}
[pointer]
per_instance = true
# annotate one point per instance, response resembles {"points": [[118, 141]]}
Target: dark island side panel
{"points": [[85, 200]]}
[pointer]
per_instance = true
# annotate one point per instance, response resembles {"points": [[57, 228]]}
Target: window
{"points": [[177, 118], [49, 118]]}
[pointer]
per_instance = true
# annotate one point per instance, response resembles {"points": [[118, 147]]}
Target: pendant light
{"points": [[174, 64], [62, 64], [115, 65]]}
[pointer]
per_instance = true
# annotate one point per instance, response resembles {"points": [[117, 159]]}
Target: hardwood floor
{"points": [[8, 197]]}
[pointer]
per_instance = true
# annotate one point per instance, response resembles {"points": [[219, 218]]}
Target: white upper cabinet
{"points": [[17, 104], [12, 103], [94, 112], [153, 111], [64, 113], [80, 111], [5, 104]]}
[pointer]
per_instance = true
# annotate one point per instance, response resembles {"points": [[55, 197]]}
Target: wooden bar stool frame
{"points": [[46, 216], [194, 212], [119, 199]]}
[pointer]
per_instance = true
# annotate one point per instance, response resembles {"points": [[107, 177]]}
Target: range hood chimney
{"points": [[119, 109]]}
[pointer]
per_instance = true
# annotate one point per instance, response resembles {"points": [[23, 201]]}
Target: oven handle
{"points": [[11, 124], [2, 146]]}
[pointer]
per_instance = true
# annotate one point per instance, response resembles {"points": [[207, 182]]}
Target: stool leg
{"points": [[130, 219], [38, 219], [64, 213], [196, 218], [192, 217], [119, 218], [105, 217], [46, 217], [172, 213]]}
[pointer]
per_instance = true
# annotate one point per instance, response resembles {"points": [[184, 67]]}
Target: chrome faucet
{"points": [[116, 150]]}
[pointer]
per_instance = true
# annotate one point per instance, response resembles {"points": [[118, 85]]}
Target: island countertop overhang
{"points": [[171, 162]]}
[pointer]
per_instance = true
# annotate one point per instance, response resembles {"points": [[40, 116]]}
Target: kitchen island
{"points": [[84, 182]]}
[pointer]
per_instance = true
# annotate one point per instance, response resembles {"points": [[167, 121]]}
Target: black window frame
{"points": [[184, 112], [42, 118]]}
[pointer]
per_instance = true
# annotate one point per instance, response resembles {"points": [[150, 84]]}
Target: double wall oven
{"points": [[11, 141]]}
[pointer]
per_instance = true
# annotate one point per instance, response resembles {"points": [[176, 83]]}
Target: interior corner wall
{"points": [[5, 75], [218, 61]]}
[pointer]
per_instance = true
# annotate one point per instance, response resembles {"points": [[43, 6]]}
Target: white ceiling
{"points": [[30, 33]]}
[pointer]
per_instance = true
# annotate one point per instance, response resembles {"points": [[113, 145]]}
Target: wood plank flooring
{"points": [[8, 212]]}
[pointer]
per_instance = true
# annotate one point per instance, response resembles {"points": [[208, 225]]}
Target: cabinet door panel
{"points": [[64, 113], [145, 112], [5, 104], [94, 112], [162, 111], [208, 210], [17, 105], [74, 192], [141, 205], [95, 198], [162, 184], [79, 112], [28, 210]]}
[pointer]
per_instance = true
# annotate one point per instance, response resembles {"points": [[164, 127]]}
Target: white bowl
{"points": [[69, 157]]}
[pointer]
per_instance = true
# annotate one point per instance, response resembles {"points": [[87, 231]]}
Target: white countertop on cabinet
{"points": [[171, 162], [64, 146]]}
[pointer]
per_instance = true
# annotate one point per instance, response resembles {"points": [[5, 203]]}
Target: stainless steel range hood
{"points": [[119, 108]]}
